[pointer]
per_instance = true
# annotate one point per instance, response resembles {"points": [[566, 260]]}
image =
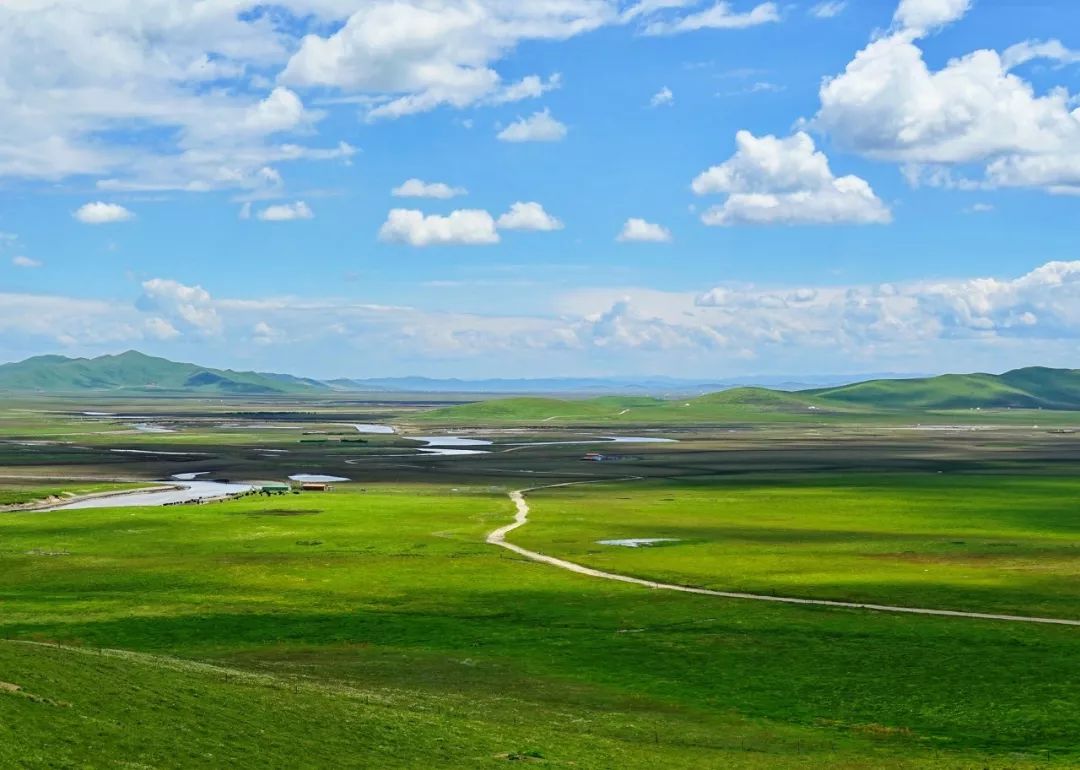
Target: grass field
{"points": [[991, 543], [374, 627]]}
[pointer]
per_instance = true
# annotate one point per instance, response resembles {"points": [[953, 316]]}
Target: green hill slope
{"points": [[134, 371], [1032, 388], [736, 405]]}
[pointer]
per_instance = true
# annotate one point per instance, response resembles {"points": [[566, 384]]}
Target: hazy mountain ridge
{"points": [[1028, 388], [135, 372]]}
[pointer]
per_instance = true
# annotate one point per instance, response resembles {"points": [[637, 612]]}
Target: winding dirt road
{"points": [[498, 537]]}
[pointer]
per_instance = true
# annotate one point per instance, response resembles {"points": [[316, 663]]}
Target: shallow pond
{"points": [[638, 542], [370, 427]]}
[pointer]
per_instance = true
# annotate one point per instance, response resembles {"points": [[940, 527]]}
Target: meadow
{"points": [[372, 626], [977, 542]]}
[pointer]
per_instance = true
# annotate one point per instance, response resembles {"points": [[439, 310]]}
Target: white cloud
{"points": [[74, 77], [220, 85], [413, 56], [21, 261], [645, 8], [828, 9], [528, 216], [662, 98], [417, 188], [286, 212], [785, 181], [1032, 50], [636, 230], [99, 213], [925, 15], [988, 322], [718, 16], [927, 321], [160, 329], [889, 105], [190, 307], [979, 208], [470, 227], [538, 127], [263, 333], [529, 87]]}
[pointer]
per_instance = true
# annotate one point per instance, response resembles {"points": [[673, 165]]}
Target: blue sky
{"points": [[599, 187]]}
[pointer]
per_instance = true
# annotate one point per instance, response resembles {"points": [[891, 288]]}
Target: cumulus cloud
{"points": [[529, 87], [720, 15], [99, 213], [468, 227], [924, 15], [964, 323], [74, 76], [412, 56], [528, 216], [888, 104], [636, 230], [21, 261], [417, 188], [189, 307], [662, 98], [921, 320], [160, 329], [286, 212], [221, 85], [538, 127], [785, 181]]}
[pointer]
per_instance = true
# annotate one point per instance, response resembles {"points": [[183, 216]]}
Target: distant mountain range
{"points": [[134, 372], [582, 385]]}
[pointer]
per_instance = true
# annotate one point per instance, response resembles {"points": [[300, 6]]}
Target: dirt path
{"points": [[498, 537]]}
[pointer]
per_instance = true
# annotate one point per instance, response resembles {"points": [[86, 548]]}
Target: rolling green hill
{"points": [[136, 372], [1032, 388]]}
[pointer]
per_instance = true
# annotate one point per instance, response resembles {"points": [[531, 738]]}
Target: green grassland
{"points": [[740, 406], [374, 627], [392, 635], [990, 543]]}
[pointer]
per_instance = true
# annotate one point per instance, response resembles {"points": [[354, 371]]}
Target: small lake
{"points": [[370, 427], [601, 440], [315, 478], [451, 446], [148, 428], [638, 542]]}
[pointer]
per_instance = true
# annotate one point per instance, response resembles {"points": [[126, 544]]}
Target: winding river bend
{"points": [[182, 492]]}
